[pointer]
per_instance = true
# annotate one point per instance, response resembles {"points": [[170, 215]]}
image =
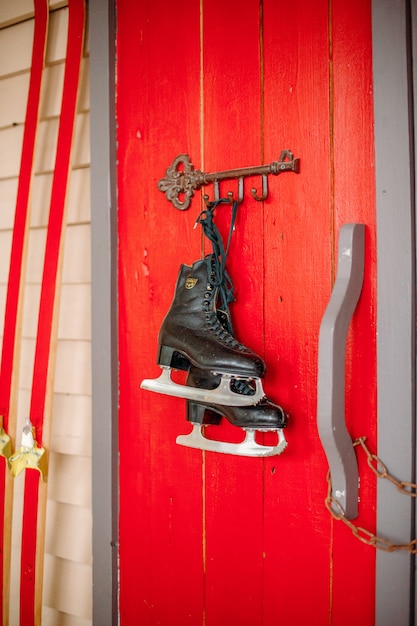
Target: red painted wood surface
{"points": [[354, 200], [161, 519], [298, 265], [216, 539]]}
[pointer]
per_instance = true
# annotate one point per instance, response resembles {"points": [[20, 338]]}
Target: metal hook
{"points": [[264, 190], [240, 191], [230, 194]]}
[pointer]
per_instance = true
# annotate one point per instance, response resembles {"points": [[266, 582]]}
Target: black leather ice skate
{"points": [[224, 376], [192, 335], [264, 417]]}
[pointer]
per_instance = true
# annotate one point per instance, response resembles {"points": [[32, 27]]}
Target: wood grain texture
{"points": [[354, 201], [298, 280], [161, 503], [222, 539], [232, 138]]}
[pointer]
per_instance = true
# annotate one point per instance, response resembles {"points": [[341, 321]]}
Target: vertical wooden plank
{"points": [[297, 266], [158, 114], [353, 597], [232, 138]]}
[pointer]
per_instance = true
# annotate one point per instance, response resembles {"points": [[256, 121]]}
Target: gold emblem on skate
{"points": [[190, 283]]}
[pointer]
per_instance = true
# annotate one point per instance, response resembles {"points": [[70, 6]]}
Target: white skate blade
{"points": [[248, 447], [221, 395]]}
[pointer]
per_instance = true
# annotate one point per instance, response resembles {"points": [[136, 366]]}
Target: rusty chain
{"points": [[381, 471]]}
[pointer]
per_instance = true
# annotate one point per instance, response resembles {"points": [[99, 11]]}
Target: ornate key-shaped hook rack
{"points": [[182, 180]]}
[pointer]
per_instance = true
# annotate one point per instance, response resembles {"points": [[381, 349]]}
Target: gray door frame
{"points": [[102, 34], [392, 25]]}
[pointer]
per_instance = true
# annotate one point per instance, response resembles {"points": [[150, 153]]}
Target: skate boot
{"points": [[264, 416], [193, 335]]}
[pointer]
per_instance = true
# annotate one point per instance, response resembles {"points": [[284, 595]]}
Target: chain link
{"points": [[380, 470]]}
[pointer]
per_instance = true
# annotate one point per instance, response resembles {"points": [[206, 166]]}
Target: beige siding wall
{"points": [[68, 574]]}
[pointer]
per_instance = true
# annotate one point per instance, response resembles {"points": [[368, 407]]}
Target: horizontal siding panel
{"points": [[16, 48], [84, 92], [46, 147], [74, 315], [15, 10], [31, 311], [71, 423], [77, 254], [36, 247], [75, 312], [51, 617], [81, 155], [5, 246], [26, 369], [13, 99], [67, 592], [41, 198], [10, 151], [67, 586], [47, 138], [52, 89], [71, 430], [57, 4], [8, 195], [53, 79], [73, 366], [57, 36], [12, 12], [3, 293], [69, 479], [68, 532], [78, 209]]}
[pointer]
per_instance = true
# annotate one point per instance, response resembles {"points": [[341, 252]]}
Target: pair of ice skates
{"points": [[224, 376]]}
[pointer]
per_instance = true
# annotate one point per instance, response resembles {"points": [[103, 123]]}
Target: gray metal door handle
{"points": [[334, 436]]}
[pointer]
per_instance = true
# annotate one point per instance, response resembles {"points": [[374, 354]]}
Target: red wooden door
{"points": [[216, 539]]}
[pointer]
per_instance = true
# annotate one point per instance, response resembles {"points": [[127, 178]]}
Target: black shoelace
{"points": [[220, 278], [216, 262]]}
